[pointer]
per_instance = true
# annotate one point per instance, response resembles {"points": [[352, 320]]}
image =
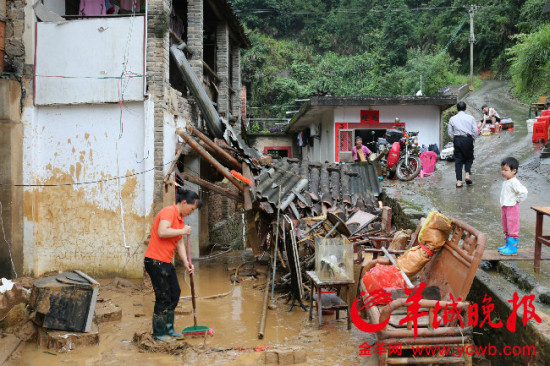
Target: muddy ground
{"points": [[234, 315]]}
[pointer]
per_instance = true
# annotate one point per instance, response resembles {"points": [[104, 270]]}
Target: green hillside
{"points": [[392, 47]]}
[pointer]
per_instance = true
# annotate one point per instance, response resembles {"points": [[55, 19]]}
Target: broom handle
{"points": [[192, 282]]}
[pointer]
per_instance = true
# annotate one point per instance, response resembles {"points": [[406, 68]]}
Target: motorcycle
{"points": [[398, 153]]}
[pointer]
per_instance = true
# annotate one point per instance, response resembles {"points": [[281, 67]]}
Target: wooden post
{"points": [[171, 170], [206, 155]]}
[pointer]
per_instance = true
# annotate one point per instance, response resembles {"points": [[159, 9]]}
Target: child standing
{"points": [[512, 193]]}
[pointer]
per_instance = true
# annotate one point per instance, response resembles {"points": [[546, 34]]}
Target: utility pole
{"points": [[471, 40]]}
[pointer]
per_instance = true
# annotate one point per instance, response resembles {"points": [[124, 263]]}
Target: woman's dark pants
{"points": [[165, 283], [464, 154]]}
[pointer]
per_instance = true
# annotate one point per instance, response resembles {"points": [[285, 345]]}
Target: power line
{"points": [[346, 11], [85, 183]]}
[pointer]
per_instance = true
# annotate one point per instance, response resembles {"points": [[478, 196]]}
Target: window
{"points": [[281, 151], [345, 140]]}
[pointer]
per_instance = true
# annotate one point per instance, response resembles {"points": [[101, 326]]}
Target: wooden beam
{"points": [[180, 41], [171, 170], [206, 155], [210, 186], [250, 189], [218, 150]]}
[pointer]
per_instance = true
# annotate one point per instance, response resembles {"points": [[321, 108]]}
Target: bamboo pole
{"points": [[264, 311], [206, 155], [218, 150]]}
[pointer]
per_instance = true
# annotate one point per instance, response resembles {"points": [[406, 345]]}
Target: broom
{"points": [[195, 330]]}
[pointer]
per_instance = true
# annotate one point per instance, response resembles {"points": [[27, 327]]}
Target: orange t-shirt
{"points": [[163, 249]]}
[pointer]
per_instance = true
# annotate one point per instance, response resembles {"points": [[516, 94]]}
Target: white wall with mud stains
{"points": [[73, 155]]}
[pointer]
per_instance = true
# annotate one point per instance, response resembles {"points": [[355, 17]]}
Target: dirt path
{"points": [[479, 204]]}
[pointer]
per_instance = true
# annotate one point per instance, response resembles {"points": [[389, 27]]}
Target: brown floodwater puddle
{"points": [[234, 317]]}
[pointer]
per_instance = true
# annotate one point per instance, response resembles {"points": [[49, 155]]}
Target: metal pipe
{"points": [[210, 114], [206, 155]]}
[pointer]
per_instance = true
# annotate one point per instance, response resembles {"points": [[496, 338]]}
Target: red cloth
{"points": [[383, 277], [163, 249]]}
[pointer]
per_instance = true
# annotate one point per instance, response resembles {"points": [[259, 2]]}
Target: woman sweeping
{"points": [[167, 236]]}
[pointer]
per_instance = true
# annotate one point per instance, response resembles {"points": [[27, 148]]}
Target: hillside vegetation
{"points": [[389, 47]]}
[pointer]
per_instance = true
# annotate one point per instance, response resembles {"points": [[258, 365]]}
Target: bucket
{"points": [[530, 123], [2, 43]]}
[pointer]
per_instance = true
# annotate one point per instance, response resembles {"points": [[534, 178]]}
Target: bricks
{"points": [[285, 356]]}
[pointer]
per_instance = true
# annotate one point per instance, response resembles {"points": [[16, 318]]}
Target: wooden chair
{"points": [[451, 270], [539, 105]]}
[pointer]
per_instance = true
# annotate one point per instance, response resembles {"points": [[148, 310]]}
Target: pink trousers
{"points": [[510, 220]]}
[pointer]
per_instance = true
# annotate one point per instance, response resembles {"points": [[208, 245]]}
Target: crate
{"points": [[333, 259]]}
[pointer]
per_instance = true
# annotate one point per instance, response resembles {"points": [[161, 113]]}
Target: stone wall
{"points": [[157, 85], [195, 30], [236, 86], [15, 26], [225, 226], [532, 336], [222, 67]]}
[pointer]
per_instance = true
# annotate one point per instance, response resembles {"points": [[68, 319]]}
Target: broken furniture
{"points": [[450, 271], [328, 301], [539, 105], [539, 238], [65, 302]]}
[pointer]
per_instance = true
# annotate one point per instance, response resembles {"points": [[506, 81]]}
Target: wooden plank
{"points": [[523, 255], [250, 189]]}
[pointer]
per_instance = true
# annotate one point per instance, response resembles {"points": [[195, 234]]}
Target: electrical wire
{"points": [[7, 243], [131, 75], [84, 183], [347, 11]]}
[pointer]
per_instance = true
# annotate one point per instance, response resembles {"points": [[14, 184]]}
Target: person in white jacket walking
{"points": [[512, 193]]}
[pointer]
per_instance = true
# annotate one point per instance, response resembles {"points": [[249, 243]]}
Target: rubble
{"points": [[62, 341], [284, 356], [107, 311], [13, 299]]}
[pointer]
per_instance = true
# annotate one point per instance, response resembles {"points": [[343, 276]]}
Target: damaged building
{"points": [[90, 101]]}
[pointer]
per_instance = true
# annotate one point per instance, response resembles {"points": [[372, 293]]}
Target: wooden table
{"points": [[328, 301], [539, 238]]}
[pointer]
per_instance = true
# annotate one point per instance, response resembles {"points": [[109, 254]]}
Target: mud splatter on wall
{"points": [[77, 215], [73, 232]]}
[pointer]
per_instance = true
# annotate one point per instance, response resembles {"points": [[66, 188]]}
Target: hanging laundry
{"points": [[111, 8], [300, 138], [92, 7], [127, 5]]}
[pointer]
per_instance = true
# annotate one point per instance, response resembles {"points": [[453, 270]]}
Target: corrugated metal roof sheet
{"points": [[366, 179]]}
